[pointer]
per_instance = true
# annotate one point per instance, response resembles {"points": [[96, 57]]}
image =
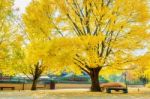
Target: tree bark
{"points": [[36, 75], [34, 84], [94, 74]]}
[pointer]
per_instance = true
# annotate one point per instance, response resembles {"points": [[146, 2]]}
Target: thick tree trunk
{"points": [[34, 84], [94, 74], [36, 75]]}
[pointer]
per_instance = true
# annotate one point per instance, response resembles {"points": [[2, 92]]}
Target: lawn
{"points": [[134, 93]]}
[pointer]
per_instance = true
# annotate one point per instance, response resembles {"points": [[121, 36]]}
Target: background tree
{"points": [[36, 61], [16, 53], [142, 70], [6, 8], [36, 54], [31, 60], [9, 36]]}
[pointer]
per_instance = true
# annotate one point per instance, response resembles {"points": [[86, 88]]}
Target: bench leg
{"points": [[125, 91]]}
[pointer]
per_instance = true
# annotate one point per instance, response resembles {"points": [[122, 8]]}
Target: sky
{"points": [[21, 4]]}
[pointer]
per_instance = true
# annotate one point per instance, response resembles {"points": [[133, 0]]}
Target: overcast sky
{"points": [[21, 4]]}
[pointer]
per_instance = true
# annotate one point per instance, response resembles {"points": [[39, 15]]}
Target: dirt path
{"points": [[144, 93]]}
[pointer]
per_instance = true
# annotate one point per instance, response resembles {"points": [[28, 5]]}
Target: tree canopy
{"points": [[90, 35], [98, 37]]}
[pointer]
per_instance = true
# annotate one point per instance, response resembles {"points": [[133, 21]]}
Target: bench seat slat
{"points": [[113, 88]]}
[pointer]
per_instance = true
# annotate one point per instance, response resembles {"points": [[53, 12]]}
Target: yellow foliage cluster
{"points": [[81, 34]]}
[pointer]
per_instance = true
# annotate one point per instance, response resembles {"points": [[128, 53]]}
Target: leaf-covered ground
{"points": [[134, 93]]}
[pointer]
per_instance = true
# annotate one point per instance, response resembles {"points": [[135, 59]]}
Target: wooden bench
{"points": [[108, 90], [13, 88]]}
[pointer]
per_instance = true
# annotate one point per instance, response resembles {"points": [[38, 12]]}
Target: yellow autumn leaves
{"points": [[67, 33], [60, 52], [89, 33]]}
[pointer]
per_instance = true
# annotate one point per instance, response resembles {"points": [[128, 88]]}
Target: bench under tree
{"points": [[13, 88]]}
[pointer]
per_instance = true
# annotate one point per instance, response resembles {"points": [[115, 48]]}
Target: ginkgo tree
{"points": [[31, 61], [100, 35], [143, 68], [36, 53], [8, 35], [13, 46], [36, 61], [4, 26]]}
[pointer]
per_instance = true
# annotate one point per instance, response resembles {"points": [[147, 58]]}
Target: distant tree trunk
{"points": [[34, 84], [36, 75], [94, 74], [144, 80]]}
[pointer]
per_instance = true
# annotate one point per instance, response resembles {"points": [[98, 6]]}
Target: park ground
{"points": [[134, 93]]}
